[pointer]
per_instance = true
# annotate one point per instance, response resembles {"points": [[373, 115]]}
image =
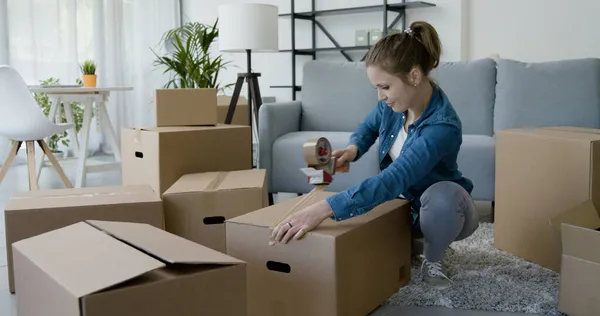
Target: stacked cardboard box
{"points": [[187, 139]]}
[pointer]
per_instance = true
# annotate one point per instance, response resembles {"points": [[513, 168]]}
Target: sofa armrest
{"points": [[274, 121]]}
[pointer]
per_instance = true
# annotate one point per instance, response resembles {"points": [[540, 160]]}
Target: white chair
{"points": [[22, 120]]}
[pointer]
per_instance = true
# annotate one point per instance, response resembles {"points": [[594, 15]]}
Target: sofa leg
{"points": [[271, 201], [493, 211], [299, 194]]}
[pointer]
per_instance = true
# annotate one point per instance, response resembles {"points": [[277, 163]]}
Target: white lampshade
{"points": [[251, 26]]}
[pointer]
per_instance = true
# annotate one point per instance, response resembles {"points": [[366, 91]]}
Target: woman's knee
{"points": [[444, 197]]}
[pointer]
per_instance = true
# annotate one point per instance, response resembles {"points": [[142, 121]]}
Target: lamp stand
{"points": [[254, 100]]}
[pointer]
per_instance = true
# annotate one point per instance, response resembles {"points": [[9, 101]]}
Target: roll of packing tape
{"points": [[316, 151]]}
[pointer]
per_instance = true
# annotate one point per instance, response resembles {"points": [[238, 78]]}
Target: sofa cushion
{"points": [[288, 159], [336, 96], [471, 88], [476, 160], [565, 92]]}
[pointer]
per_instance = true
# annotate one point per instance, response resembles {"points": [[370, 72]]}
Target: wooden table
{"points": [[90, 98]]}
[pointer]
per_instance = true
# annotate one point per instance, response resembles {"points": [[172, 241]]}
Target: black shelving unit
{"points": [[312, 15]]}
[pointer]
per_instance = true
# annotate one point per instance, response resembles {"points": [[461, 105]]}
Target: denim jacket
{"points": [[428, 155]]}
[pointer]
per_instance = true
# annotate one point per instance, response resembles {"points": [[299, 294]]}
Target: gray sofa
{"points": [[488, 95]]}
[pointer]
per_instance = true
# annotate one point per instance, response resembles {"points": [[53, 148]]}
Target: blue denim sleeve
{"points": [[434, 143], [367, 131]]}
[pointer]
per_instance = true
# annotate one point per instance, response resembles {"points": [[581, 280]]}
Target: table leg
{"points": [[85, 134], [108, 130], [54, 108], [72, 131]]}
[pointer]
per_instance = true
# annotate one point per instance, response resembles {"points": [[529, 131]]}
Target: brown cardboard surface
{"points": [[168, 247], [186, 107], [159, 156], [340, 268], [579, 231], [240, 116], [28, 214], [541, 173], [104, 274], [197, 205]]}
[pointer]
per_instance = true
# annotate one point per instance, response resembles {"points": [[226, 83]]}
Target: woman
{"points": [[420, 136]]}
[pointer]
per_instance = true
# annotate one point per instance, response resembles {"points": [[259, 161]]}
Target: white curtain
{"points": [[50, 38]]}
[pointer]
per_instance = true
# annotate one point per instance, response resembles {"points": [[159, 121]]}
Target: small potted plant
{"points": [[88, 69]]}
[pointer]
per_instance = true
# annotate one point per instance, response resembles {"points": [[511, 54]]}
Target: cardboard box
{"points": [[159, 156], [341, 268], [28, 214], [540, 173], [361, 37], [118, 269], [374, 36], [186, 107], [197, 205], [240, 116], [579, 231]]}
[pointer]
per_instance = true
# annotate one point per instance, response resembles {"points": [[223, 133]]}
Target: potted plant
{"points": [[88, 69], [189, 61]]}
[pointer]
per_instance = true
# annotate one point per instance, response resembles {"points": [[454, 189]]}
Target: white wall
{"points": [[534, 30], [447, 17]]}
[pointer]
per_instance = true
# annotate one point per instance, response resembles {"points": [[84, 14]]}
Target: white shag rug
{"points": [[485, 278]]}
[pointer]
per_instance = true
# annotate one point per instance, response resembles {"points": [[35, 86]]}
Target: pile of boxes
{"points": [[187, 233], [547, 207]]}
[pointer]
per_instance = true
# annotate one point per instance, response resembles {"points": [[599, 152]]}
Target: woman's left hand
{"points": [[298, 224]]}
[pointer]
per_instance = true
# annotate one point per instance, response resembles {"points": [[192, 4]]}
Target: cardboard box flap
{"points": [[167, 247], [269, 216], [579, 231], [216, 181], [78, 197], [84, 260], [563, 133]]}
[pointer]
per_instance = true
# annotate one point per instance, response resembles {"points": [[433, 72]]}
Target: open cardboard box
{"points": [[578, 229], [31, 213], [124, 269]]}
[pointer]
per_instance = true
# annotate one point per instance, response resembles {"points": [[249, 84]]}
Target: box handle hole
{"points": [[139, 154], [214, 220], [278, 266]]}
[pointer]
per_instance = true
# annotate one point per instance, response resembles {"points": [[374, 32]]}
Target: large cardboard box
{"points": [[540, 173], [197, 205], [159, 156], [341, 268], [28, 214], [186, 107], [240, 116], [124, 269], [579, 231]]}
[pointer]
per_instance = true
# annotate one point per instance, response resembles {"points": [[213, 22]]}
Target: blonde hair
{"points": [[398, 53]]}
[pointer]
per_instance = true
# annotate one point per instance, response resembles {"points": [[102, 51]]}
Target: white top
{"points": [[74, 90], [398, 143]]}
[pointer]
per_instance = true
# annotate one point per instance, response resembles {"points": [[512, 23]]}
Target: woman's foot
{"points": [[433, 274]]}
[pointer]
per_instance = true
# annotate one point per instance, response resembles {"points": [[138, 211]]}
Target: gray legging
{"points": [[447, 214]]}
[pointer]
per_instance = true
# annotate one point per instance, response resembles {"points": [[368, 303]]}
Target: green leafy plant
{"points": [[77, 109], [190, 63], [88, 67]]}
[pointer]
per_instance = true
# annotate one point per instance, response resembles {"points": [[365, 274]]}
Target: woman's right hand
{"points": [[344, 157]]}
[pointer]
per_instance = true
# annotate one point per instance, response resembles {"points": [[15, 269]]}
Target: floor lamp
{"points": [[248, 27]]}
